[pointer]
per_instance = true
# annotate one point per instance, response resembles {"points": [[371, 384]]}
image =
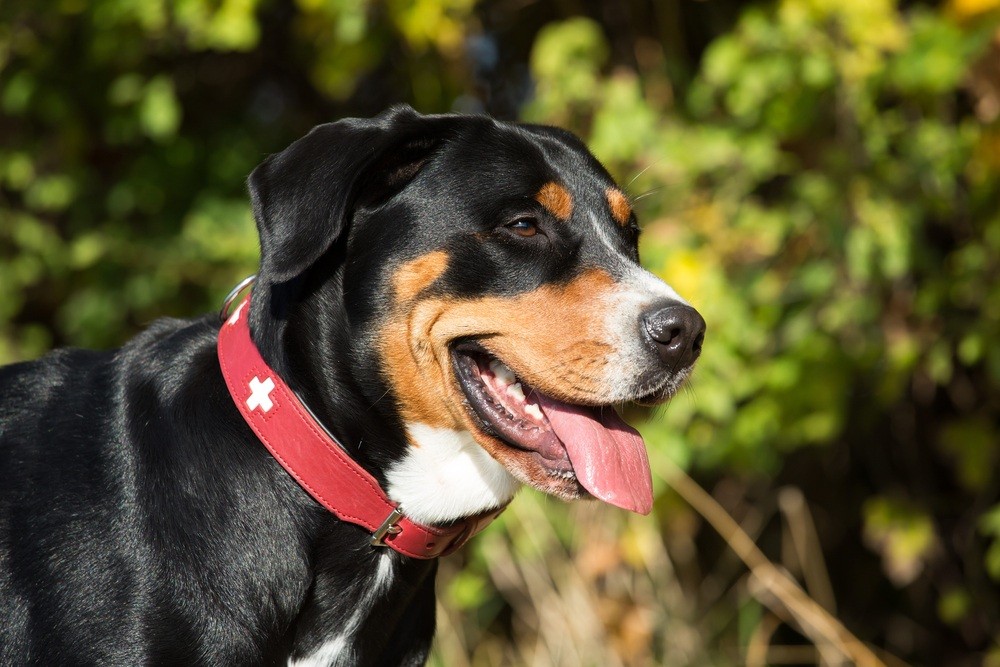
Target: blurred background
{"points": [[821, 178]]}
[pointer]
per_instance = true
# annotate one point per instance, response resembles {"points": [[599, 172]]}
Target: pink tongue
{"points": [[607, 454]]}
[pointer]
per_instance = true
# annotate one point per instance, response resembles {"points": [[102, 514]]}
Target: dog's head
{"points": [[474, 287]]}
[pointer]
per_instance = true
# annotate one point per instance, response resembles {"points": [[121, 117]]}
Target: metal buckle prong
{"points": [[388, 527]]}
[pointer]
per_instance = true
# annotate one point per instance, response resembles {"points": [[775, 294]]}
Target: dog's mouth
{"points": [[578, 447]]}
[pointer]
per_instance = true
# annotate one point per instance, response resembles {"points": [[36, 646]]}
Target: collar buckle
{"points": [[388, 527]]}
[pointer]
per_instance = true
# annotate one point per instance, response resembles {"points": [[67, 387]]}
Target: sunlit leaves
{"points": [[989, 525], [346, 39], [902, 534], [215, 24], [623, 125], [438, 23], [973, 444], [935, 59], [566, 62], [159, 112]]}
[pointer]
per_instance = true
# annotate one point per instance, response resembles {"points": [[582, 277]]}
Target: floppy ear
{"points": [[303, 196]]}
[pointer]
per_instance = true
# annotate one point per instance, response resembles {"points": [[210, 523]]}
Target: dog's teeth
{"points": [[516, 391], [502, 373], [533, 411]]}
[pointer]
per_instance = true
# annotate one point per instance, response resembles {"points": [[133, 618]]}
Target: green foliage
{"points": [[989, 525], [821, 184]]}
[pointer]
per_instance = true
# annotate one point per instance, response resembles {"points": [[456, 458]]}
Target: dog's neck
{"points": [[437, 475], [360, 609], [301, 332]]}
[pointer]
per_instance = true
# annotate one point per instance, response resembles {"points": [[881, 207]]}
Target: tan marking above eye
{"points": [[621, 210], [556, 200], [414, 276]]}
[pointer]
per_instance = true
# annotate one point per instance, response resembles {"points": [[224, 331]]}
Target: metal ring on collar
{"points": [[233, 293]]}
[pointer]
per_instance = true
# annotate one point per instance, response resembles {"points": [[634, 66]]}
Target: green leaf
{"points": [[159, 111]]}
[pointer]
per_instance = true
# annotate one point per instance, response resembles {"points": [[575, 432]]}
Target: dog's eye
{"points": [[524, 227]]}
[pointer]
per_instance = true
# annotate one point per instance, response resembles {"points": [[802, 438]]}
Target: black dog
{"points": [[457, 300]]}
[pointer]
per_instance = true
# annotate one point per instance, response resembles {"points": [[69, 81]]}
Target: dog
{"points": [[446, 308]]}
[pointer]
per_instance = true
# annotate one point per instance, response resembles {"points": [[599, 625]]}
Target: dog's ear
{"points": [[303, 196]]}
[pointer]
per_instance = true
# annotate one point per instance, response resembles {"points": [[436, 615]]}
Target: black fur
{"points": [[141, 522]]}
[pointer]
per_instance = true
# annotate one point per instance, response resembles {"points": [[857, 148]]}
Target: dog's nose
{"points": [[677, 331]]}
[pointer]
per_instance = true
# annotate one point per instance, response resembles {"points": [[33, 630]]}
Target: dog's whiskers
{"points": [[646, 194], [644, 170]]}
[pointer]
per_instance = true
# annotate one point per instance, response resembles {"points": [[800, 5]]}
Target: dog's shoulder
{"points": [[69, 376], [72, 408], [110, 462]]}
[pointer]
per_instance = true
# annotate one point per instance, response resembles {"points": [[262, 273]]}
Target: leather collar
{"points": [[319, 463]]}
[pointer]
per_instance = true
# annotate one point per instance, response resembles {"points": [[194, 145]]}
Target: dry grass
{"points": [[608, 600], [585, 585]]}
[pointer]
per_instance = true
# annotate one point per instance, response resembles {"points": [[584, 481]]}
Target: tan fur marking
{"points": [[411, 278], [621, 210], [556, 200], [416, 376], [553, 338], [412, 370]]}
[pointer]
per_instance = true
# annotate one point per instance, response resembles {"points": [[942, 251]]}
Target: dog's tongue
{"points": [[608, 455]]}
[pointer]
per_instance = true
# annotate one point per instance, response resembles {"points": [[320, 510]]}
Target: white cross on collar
{"points": [[260, 394]]}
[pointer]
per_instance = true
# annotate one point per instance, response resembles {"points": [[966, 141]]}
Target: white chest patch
{"points": [[338, 650], [446, 475]]}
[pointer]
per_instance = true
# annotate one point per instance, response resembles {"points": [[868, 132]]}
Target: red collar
{"points": [[316, 460]]}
